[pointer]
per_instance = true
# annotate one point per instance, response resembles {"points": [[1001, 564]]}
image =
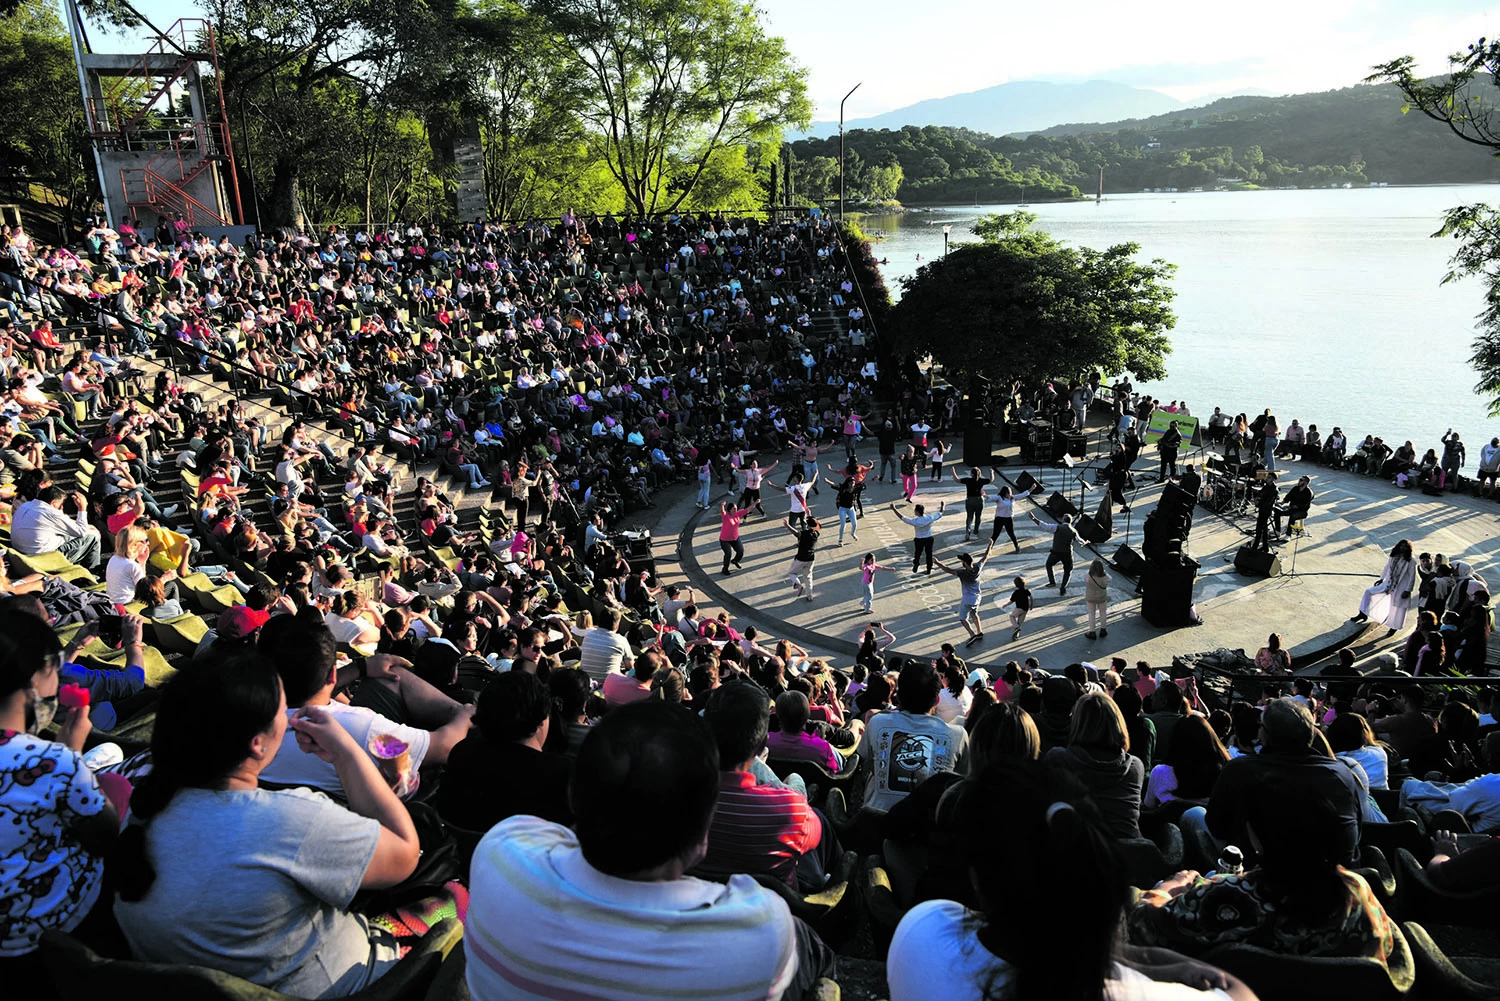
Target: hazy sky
{"points": [[904, 51]]}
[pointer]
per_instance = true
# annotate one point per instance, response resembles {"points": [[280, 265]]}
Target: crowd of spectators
{"points": [[397, 722]]}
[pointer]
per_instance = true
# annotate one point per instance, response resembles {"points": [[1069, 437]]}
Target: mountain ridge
{"points": [[1020, 106]]}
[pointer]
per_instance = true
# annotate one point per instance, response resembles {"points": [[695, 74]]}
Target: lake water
{"points": [[1324, 305]]}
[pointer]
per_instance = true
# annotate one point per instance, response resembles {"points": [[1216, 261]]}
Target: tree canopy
{"points": [[1463, 103], [1019, 304]]}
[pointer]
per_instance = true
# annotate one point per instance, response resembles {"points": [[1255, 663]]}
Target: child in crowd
{"points": [[867, 569], [1022, 600]]}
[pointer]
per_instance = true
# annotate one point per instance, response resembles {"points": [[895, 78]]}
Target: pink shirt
{"points": [[802, 747], [621, 690], [729, 525]]}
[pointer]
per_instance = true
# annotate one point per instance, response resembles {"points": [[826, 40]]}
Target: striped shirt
{"points": [[544, 924], [758, 828], [601, 653]]}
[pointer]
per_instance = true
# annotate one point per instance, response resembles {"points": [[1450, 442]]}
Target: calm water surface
{"points": [[1324, 305]]}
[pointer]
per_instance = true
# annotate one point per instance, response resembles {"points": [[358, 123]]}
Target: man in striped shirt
{"points": [[759, 828], [608, 911]]}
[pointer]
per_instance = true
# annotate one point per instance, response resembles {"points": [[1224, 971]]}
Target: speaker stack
{"points": [[978, 444], [1167, 593]]}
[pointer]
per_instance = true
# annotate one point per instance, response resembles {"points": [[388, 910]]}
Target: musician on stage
{"points": [[1298, 502], [1119, 474], [1265, 512]]}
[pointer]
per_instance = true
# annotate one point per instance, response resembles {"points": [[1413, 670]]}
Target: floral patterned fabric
{"points": [[47, 879], [1225, 910]]}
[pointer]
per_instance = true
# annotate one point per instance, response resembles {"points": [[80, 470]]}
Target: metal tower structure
{"points": [[159, 151]]}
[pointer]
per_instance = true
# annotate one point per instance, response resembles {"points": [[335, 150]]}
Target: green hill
{"points": [[1356, 135]]}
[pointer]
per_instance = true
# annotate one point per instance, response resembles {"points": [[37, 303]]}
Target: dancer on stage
{"points": [[1389, 597], [968, 574], [753, 476], [974, 486], [1063, 534], [800, 573], [1005, 506], [922, 539], [729, 534]]}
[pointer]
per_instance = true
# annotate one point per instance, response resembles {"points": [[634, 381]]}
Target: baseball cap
{"points": [[978, 676], [239, 622]]}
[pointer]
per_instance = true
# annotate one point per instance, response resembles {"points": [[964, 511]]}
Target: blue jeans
{"points": [[1270, 448], [847, 514], [704, 485]]}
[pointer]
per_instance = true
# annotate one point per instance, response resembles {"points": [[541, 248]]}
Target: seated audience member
{"points": [[1450, 868], [939, 868], [1192, 767], [1055, 722], [1072, 883], [1350, 736], [1168, 708], [620, 689], [57, 818], [1297, 899], [500, 770], [216, 871], [302, 649], [570, 702], [1138, 725], [603, 649], [759, 827], [1406, 730], [1098, 753], [558, 912], [901, 748], [792, 742], [39, 526], [1287, 757]]}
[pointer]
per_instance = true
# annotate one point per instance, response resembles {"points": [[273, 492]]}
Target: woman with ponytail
{"points": [[217, 872], [56, 818], [1048, 928]]}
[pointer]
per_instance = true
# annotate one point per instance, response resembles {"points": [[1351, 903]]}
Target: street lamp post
{"points": [[946, 229], [841, 147]]}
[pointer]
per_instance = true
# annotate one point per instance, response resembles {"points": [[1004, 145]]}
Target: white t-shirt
{"points": [[936, 955], [121, 575], [293, 767], [797, 494], [344, 630]]}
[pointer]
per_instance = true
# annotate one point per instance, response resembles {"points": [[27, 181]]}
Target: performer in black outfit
{"points": [[974, 486], [1265, 511], [1298, 502]]}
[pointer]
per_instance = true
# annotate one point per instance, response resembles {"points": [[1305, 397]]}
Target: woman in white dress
{"points": [[1389, 597]]}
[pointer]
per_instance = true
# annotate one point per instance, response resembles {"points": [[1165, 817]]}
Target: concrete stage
{"points": [[1354, 522]]}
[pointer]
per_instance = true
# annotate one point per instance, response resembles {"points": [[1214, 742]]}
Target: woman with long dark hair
{"points": [[1072, 883], [1387, 600], [283, 866], [1191, 766]]}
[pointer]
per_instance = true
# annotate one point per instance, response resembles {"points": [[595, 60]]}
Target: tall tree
{"points": [[1019, 304], [1463, 100], [43, 141], [673, 83], [289, 67]]}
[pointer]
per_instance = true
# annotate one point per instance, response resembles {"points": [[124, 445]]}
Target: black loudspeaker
{"points": [[1025, 483], [1257, 562], [1090, 530], [978, 445], [1129, 562], [1167, 594], [1057, 505]]}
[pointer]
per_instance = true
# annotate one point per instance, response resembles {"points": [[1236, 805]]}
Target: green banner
{"points": [[1187, 426]]}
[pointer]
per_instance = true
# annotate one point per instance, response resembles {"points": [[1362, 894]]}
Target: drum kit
{"points": [[1231, 488]]}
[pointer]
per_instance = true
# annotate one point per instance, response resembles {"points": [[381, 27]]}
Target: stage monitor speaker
{"points": [[1025, 483], [1257, 562], [1090, 530], [1129, 562], [1057, 505], [978, 445]]}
